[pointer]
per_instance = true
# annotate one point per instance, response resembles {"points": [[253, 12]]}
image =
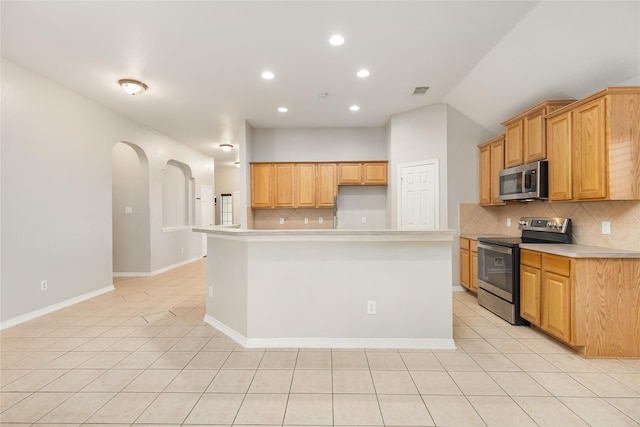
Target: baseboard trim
{"points": [[50, 309], [458, 288], [159, 271], [378, 343]]}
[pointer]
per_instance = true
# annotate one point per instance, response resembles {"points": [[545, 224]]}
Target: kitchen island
{"points": [[331, 288]]}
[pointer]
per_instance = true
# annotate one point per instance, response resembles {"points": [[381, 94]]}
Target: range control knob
{"points": [[522, 222]]}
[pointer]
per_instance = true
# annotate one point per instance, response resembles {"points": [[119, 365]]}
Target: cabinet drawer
{"points": [[557, 264], [473, 245], [464, 243], [530, 258]]}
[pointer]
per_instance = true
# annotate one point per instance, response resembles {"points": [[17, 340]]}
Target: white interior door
{"points": [[206, 212], [419, 199]]}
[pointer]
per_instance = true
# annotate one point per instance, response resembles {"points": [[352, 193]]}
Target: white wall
{"points": [[130, 172], [56, 192], [227, 182], [319, 144], [355, 203]]}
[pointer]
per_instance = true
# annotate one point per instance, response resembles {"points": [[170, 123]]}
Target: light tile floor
{"points": [[142, 355]]}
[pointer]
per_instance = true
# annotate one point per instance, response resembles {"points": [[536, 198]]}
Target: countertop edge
{"points": [[580, 251]]}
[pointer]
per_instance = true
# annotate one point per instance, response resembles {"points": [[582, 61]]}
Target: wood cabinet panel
{"points": [[530, 282], [530, 258], [284, 185], [465, 272], [327, 184], [534, 145], [261, 185], [374, 173], [555, 313], [349, 173], [306, 185], [497, 164], [513, 144], [559, 156], [474, 270], [485, 174], [590, 162]]}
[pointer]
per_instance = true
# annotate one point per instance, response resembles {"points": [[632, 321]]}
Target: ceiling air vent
{"points": [[420, 90]]}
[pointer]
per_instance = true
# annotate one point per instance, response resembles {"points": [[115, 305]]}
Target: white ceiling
{"points": [[202, 60]]}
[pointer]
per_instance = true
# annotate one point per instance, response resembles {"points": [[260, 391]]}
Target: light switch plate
{"points": [[128, 210], [281, 220], [320, 220], [606, 227]]}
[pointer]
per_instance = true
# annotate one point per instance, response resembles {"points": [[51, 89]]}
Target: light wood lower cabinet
{"points": [[590, 304], [469, 264]]}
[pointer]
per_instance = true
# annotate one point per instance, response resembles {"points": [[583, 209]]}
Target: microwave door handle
{"points": [[500, 249]]}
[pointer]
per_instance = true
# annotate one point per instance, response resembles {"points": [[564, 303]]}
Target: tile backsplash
{"points": [[586, 219], [269, 219]]}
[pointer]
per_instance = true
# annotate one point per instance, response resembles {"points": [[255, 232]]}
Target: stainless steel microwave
{"points": [[525, 182]]}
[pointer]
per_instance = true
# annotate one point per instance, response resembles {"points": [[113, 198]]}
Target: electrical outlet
{"points": [[306, 220], [320, 220], [371, 307], [364, 220], [44, 285], [210, 291], [281, 220], [181, 250], [128, 210], [508, 222], [606, 227]]}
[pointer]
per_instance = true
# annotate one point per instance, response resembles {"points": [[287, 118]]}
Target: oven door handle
{"points": [[500, 249]]}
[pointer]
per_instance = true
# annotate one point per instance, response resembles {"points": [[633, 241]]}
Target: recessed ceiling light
{"points": [[336, 40], [283, 109], [354, 108], [132, 87], [226, 147], [363, 73], [267, 75]]}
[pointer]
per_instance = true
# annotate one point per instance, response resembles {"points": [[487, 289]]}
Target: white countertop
{"points": [[477, 236], [433, 235], [579, 251]]}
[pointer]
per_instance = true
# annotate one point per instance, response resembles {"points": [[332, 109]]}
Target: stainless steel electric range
{"points": [[499, 264]]}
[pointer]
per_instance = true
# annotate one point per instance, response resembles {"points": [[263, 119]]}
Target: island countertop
{"points": [[434, 235]]}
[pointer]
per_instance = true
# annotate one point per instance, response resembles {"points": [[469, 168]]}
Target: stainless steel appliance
{"points": [[499, 264], [525, 182]]}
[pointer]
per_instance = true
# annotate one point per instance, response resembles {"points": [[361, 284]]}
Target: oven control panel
{"points": [[555, 225]]}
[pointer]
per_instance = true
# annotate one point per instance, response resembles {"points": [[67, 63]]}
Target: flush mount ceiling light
{"points": [[267, 75], [132, 87], [323, 95], [283, 109], [336, 40], [363, 73], [226, 147], [354, 108]]}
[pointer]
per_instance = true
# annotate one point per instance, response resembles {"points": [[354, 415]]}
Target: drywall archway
{"points": [[178, 195], [130, 210]]}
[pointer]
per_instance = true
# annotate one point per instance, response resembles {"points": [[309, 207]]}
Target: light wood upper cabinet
{"points": [[525, 134], [590, 151], [284, 185], [374, 173], [596, 142], [559, 155], [491, 158], [305, 185], [513, 144], [369, 173], [327, 185], [261, 185]]}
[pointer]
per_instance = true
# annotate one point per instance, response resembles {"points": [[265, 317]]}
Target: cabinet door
{"points": [[485, 174], [284, 185], [465, 276], [306, 185], [327, 185], [555, 310], [375, 173], [590, 151], [559, 152], [473, 266], [530, 278], [534, 145], [497, 164], [513, 144], [350, 173], [261, 186]]}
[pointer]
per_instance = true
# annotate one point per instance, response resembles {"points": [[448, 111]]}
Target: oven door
{"points": [[495, 270]]}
